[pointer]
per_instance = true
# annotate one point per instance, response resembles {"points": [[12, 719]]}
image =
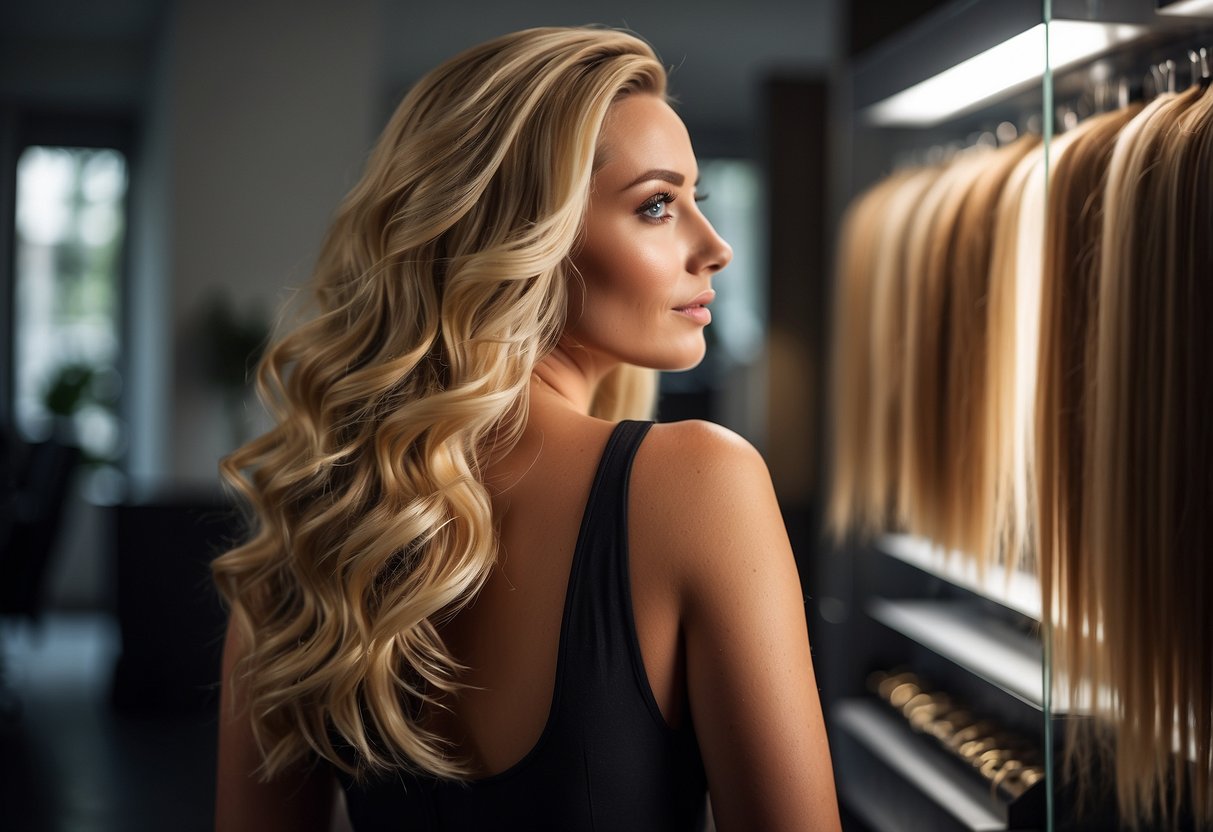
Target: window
{"points": [[67, 299]]}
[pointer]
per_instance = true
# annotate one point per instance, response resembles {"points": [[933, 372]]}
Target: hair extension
{"points": [[439, 286], [886, 335], [1010, 250], [1147, 517], [1189, 309], [921, 492], [1068, 304], [863, 229], [967, 499]]}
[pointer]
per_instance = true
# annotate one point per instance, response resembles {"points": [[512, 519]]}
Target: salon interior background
{"points": [[242, 124]]}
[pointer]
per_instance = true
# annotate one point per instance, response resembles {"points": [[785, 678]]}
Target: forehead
{"points": [[642, 132]]}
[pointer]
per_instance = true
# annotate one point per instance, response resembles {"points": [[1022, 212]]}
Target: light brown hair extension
{"points": [[886, 334], [1068, 305], [921, 493], [863, 233], [968, 473], [1148, 518]]}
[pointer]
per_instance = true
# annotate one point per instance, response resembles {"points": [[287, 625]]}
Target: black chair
{"points": [[169, 614]]}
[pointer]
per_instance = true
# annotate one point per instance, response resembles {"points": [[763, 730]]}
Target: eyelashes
{"points": [[655, 208]]}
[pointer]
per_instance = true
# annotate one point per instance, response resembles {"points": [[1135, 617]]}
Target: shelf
{"points": [[985, 646], [894, 781], [1019, 592]]}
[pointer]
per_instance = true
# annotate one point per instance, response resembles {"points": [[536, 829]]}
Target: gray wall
{"points": [[255, 119], [271, 111]]}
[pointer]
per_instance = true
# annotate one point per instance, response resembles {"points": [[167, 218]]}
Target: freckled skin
{"points": [[643, 254]]}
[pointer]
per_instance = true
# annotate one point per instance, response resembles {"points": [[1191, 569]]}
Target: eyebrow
{"points": [[674, 178]]}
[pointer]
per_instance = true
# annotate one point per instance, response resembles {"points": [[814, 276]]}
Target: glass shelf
{"points": [[1019, 591], [988, 648]]}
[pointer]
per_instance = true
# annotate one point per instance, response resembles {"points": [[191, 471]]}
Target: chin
{"points": [[678, 363]]}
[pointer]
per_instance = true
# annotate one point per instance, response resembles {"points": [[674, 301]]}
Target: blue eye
{"points": [[656, 208]]}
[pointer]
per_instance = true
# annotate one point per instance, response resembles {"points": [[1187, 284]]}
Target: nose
{"points": [[712, 253]]}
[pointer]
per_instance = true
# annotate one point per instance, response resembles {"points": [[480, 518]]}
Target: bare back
{"points": [[509, 637]]}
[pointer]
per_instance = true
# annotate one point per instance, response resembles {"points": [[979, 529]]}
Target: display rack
{"points": [[899, 602]]}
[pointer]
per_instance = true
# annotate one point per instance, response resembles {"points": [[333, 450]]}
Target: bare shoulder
{"points": [[704, 504], [701, 491], [699, 455]]}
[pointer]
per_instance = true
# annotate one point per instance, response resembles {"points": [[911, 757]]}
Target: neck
{"points": [[570, 375]]}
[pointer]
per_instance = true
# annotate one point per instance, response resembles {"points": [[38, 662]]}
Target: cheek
{"points": [[625, 267]]}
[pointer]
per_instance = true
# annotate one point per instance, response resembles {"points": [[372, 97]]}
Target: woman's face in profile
{"points": [[648, 254]]}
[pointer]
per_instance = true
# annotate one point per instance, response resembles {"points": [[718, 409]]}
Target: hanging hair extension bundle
{"points": [[862, 239], [968, 472], [922, 485], [1147, 517], [1069, 305], [1023, 374], [887, 337]]}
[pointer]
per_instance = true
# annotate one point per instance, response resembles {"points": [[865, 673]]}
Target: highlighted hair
{"points": [[439, 286]]}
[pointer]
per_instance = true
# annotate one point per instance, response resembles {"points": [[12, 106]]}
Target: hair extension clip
{"points": [[1122, 93], [1198, 60], [1162, 76]]}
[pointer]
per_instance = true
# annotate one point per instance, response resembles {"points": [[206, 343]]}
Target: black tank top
{"points": [[606, 759]]}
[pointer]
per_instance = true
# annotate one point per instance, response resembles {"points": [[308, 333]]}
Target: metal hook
{"points": [[1169, 73], [1101, 95], [1154, 77], [1067, 116]]}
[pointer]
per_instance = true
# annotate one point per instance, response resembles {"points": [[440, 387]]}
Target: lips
{"points": [[702, 299]]}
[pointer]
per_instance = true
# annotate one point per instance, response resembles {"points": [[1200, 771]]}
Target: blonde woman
{"points": [[475, 594]]}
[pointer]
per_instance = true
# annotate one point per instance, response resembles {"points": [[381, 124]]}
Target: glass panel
{"points": [[70, 226], [1046, 634]]}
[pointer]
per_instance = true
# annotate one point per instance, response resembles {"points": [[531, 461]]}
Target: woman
{"points": [[473, 596]]}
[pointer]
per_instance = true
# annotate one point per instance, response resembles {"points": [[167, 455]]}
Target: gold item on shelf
{"points": [[971, 732], [920, 701], [973, 748], [903, 693], [1008, 768], [944, 728], [1007, 760]]}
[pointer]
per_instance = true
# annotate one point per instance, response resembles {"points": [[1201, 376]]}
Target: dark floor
{"points": [[68, 763]]}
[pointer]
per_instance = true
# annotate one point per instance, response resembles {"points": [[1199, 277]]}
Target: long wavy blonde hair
{"points": [[439, 286]]}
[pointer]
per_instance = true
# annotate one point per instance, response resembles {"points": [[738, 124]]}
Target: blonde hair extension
{"points": [[1147, 519], [1002, 355], [862, 233], [439, 286], [922, 488], [886, 335], [1065, 361], [968, 465]]}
